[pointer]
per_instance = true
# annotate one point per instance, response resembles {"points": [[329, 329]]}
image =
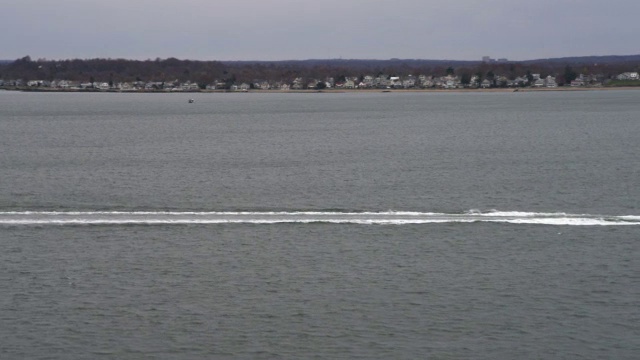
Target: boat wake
{"points": [[381, 218]]}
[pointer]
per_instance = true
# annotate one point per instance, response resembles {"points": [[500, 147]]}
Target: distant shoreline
{"points": [[326, 91]]}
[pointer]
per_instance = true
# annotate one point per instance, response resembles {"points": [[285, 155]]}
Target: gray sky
{"points": [[319, 29]]}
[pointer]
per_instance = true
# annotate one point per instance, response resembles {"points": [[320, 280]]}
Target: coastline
{"points": [[311, 91]]}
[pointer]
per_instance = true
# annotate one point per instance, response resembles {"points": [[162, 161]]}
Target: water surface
{"points": [[372, 226]]}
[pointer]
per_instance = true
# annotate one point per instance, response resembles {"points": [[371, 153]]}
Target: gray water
{"points": [[288, 226]]}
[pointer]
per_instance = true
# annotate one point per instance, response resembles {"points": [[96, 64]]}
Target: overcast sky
{"points": [[318, 29]]}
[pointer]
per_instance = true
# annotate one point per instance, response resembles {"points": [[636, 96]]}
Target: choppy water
{"points": [[396, 225]]}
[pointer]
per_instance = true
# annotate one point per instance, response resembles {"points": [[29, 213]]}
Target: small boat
{"points": [[191, 101]]}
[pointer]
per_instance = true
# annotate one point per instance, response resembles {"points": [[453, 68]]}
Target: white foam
{"points": [[566, 221], [305, 217], [209, 213], [520, 214], [630, 217], [220, 221]]}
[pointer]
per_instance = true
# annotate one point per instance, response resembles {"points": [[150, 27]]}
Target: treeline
{"points": [[206, 72]]}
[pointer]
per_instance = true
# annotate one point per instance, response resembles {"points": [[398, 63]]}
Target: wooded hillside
{"points": [[205, 72]]}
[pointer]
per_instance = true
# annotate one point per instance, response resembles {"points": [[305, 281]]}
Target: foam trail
{"points": [[305, 217]]}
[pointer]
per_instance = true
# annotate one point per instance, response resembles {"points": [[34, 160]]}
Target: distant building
{"points": [[297, 84], [520, 80], [628, 76], [550, 82]]}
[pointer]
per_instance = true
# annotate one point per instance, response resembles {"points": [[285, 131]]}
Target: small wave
{"points": [[306, 217], [521, 214], [630, 217]]}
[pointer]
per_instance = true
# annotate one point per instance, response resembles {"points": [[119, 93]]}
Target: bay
{"points": [[541, 282]]}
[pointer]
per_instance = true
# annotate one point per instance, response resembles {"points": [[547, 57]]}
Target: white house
{"points": [[550, 82], [349, 84], [628, 76]]}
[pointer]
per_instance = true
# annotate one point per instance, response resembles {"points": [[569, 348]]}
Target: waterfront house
{"points": [[124, 86], [521, 80], [428, 82], [154, 85], [189, 86], [383, 82], [73, 85], [628, 76], [38, 83], [297, 84], [331, 82], [501, 81], [367, 81], [261, 85], [451, 82], [474, 82], [216, 84], [550, 82], [409, 82]]}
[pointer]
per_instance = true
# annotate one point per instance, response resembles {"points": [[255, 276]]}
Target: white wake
{"points": [[381, 218]]}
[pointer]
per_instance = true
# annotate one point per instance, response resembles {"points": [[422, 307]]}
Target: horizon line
{"points": [[320, 59]]}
